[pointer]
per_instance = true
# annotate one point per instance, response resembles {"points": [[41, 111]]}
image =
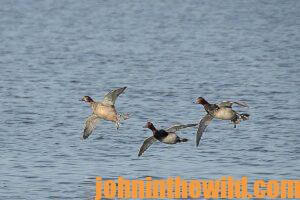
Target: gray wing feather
{"points": [[230, 103], [202, 126], [178, 127], [244, 104], [147, 143], [90, 125], [111, 97]]}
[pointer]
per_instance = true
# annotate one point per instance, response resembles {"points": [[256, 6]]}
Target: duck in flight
{"points": [[104, 109], [221, 111], [167, 136]]}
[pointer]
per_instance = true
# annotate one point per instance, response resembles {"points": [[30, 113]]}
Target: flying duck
{"points": [[167, 136], [221, 111], [105, 110]]}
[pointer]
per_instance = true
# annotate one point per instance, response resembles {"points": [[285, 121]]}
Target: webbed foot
{"points": [[117, 125]]}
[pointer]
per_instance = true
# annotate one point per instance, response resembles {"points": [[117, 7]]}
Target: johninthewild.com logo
{"points": [[178, 188]]}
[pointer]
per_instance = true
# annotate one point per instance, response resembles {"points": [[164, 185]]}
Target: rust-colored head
{"points": [[87, 99], [201, 100], [150, 126]]}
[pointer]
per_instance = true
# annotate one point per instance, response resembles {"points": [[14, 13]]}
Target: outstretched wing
{"points": [[178, 127], [147, 143], [111, 97], [202, 126], [229, 104], [90, 125]]}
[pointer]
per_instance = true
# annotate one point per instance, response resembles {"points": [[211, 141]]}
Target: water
{"points": [[167, 53]]}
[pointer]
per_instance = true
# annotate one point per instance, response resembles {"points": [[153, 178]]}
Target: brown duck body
{"points": [[106, 112], [221, 111]]}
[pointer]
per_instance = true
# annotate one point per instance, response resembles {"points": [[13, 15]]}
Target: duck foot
{"points": [[117, 125]]}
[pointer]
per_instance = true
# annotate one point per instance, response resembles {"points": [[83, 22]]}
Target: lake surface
{"points": [[167, 53]]}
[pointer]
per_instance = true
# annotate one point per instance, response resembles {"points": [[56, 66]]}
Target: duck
{"points": [[104, 110], [222, 111], [167, 136]]}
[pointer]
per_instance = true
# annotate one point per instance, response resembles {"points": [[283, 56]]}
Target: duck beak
{"points": [[81, 100], [145, 126]]}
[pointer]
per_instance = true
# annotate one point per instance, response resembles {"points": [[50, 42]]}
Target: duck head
{"points": [[87, 99], [201, 100], [150, 126]]}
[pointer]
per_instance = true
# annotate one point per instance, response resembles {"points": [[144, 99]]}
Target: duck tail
{"points": [[183, 140], [244, 116]]}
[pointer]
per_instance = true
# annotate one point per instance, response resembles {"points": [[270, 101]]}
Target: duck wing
{"points": [[90, 125], [111, 97], [202, 126], [147, 143], [230, 103], [178, 127]]}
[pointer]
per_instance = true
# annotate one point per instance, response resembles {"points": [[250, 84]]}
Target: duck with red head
{"points": [[104, 109], [167, 136], [151, 127], [201, 100], [221, 111]]}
